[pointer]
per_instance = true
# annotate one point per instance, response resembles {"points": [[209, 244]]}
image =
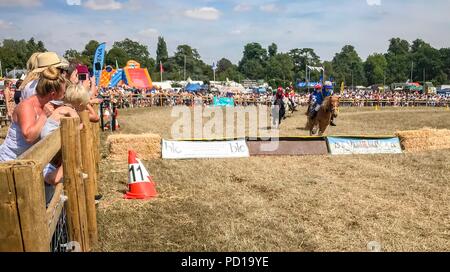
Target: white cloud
{"points": [[374, 2], [236, 32], [268, 8], [242, 8], [21, 3], [205, 13], [149, 33], [103, 5], [5, 25], [73, 2]]}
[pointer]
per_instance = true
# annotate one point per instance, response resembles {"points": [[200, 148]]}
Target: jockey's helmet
{"points": [[328, 85]]}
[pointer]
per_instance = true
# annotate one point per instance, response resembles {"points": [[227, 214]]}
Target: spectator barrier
{"points": [[26, 224]]}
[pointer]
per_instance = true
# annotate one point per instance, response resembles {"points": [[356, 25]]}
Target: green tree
{"points": [[136, 51], [73, 55], [14, 54], [161, 52], [398, 60], [195, 67], [226, 69], [445, 56], [301, 58], [253, 61], [348, 67], [273, 50], [279, 69], [223, 65], [375, 68], [117, 54], [427, 59], [88, 53]]}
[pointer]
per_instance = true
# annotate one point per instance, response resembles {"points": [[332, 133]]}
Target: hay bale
{"points": [[147, 146], [424, 140]]}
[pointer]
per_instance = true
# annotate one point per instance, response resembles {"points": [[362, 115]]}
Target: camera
{"points": [[82, 77]]}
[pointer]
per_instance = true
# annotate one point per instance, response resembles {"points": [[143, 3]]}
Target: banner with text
{"points": [[349, 146], [204, 149]]}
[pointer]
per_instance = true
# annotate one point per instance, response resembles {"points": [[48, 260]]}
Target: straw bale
{"points": [[425, 139], [147, 146]]}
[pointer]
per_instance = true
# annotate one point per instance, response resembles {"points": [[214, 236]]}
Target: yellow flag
{"points": [[342, 88]]}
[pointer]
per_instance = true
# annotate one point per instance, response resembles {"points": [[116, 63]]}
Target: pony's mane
{"points": [[326, 103]]}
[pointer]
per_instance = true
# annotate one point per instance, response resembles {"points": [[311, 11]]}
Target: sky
{"points": [[221, 28]]}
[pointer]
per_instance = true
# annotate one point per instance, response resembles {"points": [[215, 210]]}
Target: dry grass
{"points": [[317, 203]]}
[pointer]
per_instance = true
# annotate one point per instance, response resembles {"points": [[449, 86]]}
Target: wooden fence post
{"points": [[73, 182], [88, 161], [10, 233], [23, 213], [96, 148]]}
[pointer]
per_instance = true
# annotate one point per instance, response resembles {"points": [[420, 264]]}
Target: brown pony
{"points": [[323, 117]]}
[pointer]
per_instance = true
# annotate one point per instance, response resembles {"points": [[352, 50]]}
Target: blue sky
{"points": [[221, 28]]}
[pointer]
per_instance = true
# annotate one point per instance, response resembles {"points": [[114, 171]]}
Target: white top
{"points": [[30, 89]]}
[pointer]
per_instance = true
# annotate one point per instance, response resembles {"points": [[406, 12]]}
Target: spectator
{"points": [[76, 99], [9, 99], [73, 75], [28, 86], [29, 117], [18, 92], [40, 62]]}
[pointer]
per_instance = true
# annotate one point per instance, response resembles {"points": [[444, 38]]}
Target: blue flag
{"points": [[214, 67], [99, 57]]}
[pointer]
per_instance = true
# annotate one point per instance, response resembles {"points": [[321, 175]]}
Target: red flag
{"points": [[161, 68]]}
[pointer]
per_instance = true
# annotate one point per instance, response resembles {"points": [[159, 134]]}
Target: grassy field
{"points": [[315, 203]]}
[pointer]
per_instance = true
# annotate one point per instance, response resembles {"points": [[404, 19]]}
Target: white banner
{"points": [[204, 149], [318, 69], [348, 146]]}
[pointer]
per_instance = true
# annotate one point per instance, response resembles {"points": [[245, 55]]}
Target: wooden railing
{"points": [[25, 222], [160, 100]]}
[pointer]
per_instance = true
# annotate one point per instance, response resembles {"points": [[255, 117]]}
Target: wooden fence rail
{"points": [[26, 224], [160, 100]]}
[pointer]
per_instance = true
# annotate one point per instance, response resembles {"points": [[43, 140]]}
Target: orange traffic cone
{"points": [[139, 180]]}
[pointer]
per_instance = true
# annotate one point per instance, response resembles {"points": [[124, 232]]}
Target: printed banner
{"points": [[99, 58], [349, 146], [204, 149], [223, 102]]}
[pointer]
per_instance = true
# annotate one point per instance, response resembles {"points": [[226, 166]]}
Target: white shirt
{"points": [[30, 89]]}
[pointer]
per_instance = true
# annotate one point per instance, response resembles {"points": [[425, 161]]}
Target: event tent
{"points": [[192, 88]]}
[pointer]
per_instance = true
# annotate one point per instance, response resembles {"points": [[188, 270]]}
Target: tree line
{"points": [[401, 61]]}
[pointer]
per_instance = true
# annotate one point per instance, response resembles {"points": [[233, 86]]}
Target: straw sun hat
{"points": [[48, 59]]}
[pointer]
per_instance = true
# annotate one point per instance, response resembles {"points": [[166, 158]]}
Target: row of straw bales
{"points": [[424, 140]]}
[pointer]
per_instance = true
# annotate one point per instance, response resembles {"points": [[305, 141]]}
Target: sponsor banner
{"points": [[99, 58], [223, 102], [348, 146], [204, 149]]}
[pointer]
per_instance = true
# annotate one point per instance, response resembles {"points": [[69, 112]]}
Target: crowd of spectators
{"points": [[131, 97]]}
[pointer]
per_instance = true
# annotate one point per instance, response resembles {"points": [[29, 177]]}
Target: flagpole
{"points": [[161, 70], [1, 70], [184, 67]]}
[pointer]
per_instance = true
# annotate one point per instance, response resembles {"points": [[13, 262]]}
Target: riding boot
{"points": [[332, 123]]}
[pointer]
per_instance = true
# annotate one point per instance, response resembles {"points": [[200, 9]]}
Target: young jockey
{"points": [[317, 98], [278, 101]]}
